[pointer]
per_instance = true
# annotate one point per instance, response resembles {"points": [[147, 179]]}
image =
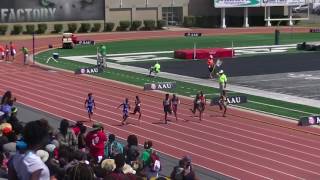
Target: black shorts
{"points": [[137, 109], [210, 69], [167, 109]]}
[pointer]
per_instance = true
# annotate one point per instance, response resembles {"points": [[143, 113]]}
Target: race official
{"points": [[222, 79], [25, 52], [155, 69]]}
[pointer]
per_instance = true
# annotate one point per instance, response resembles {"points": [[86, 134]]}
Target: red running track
{"points": [[244, 145]]}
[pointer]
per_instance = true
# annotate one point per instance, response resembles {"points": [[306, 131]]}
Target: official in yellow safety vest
{"points": [[155, 69], [222, 79]]}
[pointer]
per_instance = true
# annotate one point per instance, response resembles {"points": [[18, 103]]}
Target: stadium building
{"points": [[207, 13]]}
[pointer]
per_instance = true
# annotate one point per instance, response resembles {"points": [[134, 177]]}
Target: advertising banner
{"points": [[89, 70], [236, 3], [307, 121], [192, 34], [50, 10], [160, 86], [86, 42], [230, 100], [282, 2]]}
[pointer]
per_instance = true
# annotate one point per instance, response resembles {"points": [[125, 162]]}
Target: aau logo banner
{"points": [[307, 121], [230, 100], [160, 86], [86, 42], [89, 70]]}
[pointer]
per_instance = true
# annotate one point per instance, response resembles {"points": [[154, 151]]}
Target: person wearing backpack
{"points": [[113, 147], [151, 161]]}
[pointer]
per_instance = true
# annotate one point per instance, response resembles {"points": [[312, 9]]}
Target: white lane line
{"points": [[294, 87], [270, 105]]}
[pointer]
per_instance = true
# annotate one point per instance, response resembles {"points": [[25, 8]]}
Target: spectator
{"points": [[95, 141], [44, 155], [25, 166], [184, 171], [66, 136], [80, 171], [2, 52], [6, 104], [82, 139], [146, 160], [10, 147], [132, 151], [118, 173], [77, 127], [108, 165], [113, 147], [14, 121], [3, 167]]}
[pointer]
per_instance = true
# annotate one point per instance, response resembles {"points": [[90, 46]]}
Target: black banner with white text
{"points": [[89, 70], [160, 86], [230, 100], [308, 121]]}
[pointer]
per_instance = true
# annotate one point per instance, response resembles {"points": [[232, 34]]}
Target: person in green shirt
{"points": [[102, 53], [155, 69], [222, 79], [103, 50], [25, 52], [147, 161]]}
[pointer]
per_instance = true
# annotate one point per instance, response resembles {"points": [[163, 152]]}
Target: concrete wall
{"points": [[141, 9], [51, 25]]}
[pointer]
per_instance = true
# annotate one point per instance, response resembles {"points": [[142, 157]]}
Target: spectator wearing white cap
{"points": [[222, 81]]}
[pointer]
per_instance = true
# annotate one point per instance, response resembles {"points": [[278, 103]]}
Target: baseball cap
{"points": [[221, 71]]}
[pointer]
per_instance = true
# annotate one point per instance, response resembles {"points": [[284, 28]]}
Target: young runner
{"points": [[89, 104], [199, 104], [202, 98], [166, 108], [223, 103], [196, 103], [137, 108], [175, 101], [125, 110]]}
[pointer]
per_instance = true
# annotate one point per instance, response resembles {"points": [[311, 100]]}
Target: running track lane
{"points": [[261, 156], [243, 145]]}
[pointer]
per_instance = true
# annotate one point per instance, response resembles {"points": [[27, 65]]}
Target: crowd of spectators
{"points": [[36, 151]]}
